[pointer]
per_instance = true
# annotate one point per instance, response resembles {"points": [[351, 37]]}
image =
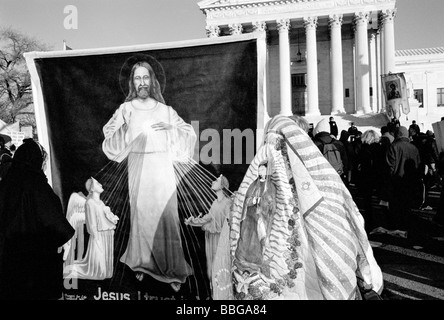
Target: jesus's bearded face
{"points": [[142, 81]]}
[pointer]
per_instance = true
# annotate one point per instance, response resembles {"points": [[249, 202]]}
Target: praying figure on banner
{"points": [[213, 222], [75, 214], [151, 135], [100, 223], [255, 226]]}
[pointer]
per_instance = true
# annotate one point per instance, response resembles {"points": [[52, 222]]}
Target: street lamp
{"points": [[299, 54]]}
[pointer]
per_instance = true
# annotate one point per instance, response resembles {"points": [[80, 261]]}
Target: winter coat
{"points": [[32, 227]]}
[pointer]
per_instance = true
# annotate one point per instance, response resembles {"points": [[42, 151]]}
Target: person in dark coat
{"points": [[344, 138], [439, 217], [322, 137], [356, 143], [429, 157], [384, 190], [352, 130], [403, 160], [333, 127], [32, 228], [369, 158], [415, 126]]}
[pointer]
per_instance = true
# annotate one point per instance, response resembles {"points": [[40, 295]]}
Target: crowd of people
{"points": [[281, 236], [398, 165]]}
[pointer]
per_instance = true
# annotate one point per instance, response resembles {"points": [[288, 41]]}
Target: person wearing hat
{"points": [[404, 161], [151, 135], [33, 227]]}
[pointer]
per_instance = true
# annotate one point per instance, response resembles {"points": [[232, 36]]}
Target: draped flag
{"points": [[396, 96], [317, 246]]}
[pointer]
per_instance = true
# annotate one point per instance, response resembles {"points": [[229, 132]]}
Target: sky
{"points": [[114, 23]]}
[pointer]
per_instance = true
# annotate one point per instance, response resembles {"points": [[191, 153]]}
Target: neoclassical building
{"points": [[324, 56], [424, 73]]}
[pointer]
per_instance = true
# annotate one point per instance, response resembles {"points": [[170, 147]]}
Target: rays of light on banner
{"points": [[194, 197]]}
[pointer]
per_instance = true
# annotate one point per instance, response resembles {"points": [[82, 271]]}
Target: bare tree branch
{"points": [[15, 82]]}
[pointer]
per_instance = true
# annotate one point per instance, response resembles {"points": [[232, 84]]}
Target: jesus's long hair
{"points": [[155, 90]]}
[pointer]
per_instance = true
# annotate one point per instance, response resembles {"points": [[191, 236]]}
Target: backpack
{"points": [[332, 154]]}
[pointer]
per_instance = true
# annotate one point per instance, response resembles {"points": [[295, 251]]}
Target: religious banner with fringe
{"points": [[317, 247], [396, 96], [209, 93]]}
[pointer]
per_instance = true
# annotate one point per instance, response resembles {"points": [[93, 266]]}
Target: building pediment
{"points": [[213, 4], [232, 4], [222, 12]]}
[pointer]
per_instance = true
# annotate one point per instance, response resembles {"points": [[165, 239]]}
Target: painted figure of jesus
{"points": [[151, 135]]}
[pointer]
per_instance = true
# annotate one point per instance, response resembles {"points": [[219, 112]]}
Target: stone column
{"points": [[363, 101], [212, 31], [310, 24], [382, 63], [373, 73], [378, 71], [337, 79], [356, 83], [284, 66], [381, 41], [235, 28], [388, 18]]}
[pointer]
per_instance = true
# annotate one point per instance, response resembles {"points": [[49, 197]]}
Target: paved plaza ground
{"points": [[413, 267]]}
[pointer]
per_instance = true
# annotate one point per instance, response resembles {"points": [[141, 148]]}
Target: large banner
{"points": [[134, 243], [396, 96]]}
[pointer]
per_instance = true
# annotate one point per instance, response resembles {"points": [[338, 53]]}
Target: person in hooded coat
{"points": [[32, 228]]}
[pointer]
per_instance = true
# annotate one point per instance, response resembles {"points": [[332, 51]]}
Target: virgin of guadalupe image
{"points": [[151, 136], [257, 212], [100, 223], [314, 245]]}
